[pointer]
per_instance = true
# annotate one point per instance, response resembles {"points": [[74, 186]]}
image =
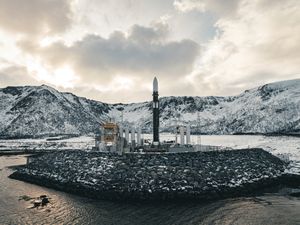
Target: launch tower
{"points": [[155, 113]]}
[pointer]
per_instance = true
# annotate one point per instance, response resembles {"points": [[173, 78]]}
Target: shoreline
{"points": [[58, 137], [53, 138], [272, 185], [25, 152], [152, 177], [170, 212]]}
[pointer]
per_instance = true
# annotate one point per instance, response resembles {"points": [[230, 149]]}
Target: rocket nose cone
{"points": [[155, 84]]}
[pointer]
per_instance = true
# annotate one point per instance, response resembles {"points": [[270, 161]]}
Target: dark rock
{"points": [[295, 194], [45, 200], [154, 176]]}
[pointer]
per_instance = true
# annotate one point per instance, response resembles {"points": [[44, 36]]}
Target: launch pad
{"points": [[114, 137]]}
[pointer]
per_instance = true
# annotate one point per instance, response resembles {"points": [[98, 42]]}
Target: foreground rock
{"points": [[197, 175], [37, 202]]}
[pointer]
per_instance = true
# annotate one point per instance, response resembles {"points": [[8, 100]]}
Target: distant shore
{"points": [[28, 152], [67, 136]]}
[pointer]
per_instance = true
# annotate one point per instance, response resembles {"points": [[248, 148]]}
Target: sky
{"points": [[110, 50]]}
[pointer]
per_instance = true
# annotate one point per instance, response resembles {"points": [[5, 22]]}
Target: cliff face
{"points": [[42, 111], [197, 175]]}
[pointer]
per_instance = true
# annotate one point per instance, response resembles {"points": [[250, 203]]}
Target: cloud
{"points": [[259, 45], [218, 6], [13, 75], [142, 52], [107, 48], [35, 16], [188, 5], [104, 17], [141, 34]]}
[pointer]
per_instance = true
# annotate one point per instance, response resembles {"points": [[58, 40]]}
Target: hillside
{"points": [[43, 111], [271, 108], [33, 111]]}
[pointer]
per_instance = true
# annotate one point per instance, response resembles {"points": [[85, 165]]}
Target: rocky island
{"points": [[168, 176]]}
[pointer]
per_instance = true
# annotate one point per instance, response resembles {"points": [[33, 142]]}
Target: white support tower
{"points": [[138, 136], [198, 132], [132, 135], [121, 130], [181, 130], [127, 134], [132, 139], [188, 135]]}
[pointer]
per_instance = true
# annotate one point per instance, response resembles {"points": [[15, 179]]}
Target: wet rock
{"points": [[25, 198], [37, 203], [45, 201], [153, 176], [295, 194]]}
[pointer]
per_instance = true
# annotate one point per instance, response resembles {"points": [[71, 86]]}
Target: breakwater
{"points": [[194, 175]]}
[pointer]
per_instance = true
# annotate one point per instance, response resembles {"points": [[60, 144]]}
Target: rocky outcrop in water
{"points": [[36, 202], [197, 175]]}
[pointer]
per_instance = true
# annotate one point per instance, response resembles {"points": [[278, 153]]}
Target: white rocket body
{"points": [[155, 85]]}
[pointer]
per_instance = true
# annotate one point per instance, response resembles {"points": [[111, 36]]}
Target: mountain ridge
{"points": [[34, 111]]}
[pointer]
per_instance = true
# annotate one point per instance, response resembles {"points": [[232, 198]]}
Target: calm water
{"points": [[69, 209]]}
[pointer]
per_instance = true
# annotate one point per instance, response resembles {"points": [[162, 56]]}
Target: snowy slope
{"points": [[271, 108], [43, 111], [38, 111]]}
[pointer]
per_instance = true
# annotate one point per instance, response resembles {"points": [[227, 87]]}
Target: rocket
{"points": [[155, 113]]}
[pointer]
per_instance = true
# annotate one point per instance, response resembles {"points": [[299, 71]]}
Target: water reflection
{"points": [[69, 209]]}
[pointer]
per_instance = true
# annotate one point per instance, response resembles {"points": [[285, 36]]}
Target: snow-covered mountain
{"points": [[42, 111], [271, 108]]}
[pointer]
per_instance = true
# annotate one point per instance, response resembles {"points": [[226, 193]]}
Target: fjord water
{"points": [[275, 208]]}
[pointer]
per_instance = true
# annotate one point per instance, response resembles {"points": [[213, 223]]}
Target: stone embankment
{"points": [[194, 175]]}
